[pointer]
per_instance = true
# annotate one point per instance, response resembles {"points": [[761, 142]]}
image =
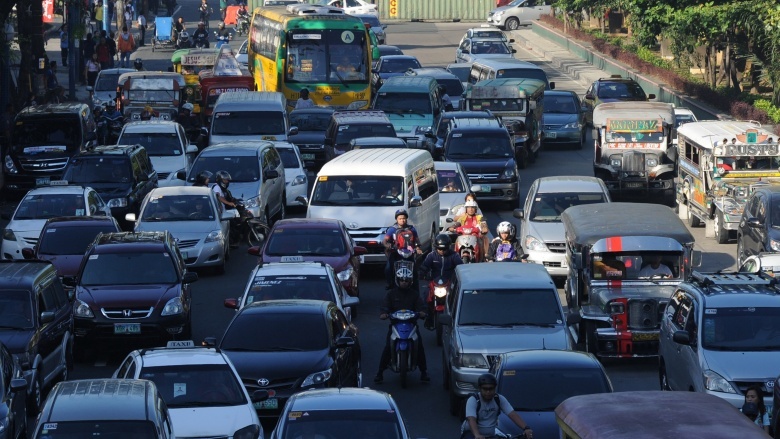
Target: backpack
{"points": [[505, 251], [465, 426], [404, 238]]}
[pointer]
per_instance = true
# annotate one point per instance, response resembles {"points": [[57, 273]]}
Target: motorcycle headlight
{"points": [[774, 245], [534, 244], [421, 130], [573, 125], [716, 383], [173, 307], [81, 309], [439, 291], [252, 203], [117, 202], [345, 275], [248, 432], [214, 235], [651, 163], [615, 163], [316, 378], [357, 105], [476, 361], [8, 235], [299, 180], [10, 166], [509, 173]]}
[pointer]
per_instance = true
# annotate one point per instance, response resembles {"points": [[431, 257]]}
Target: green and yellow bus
{"points": [[313, 47]]}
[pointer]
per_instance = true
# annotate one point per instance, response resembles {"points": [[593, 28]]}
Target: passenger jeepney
{"points": [[227, 75], [619, 301], [720, 163], [190, 62], [519, 105], [160, 90], [652, 414], [633, 149]]}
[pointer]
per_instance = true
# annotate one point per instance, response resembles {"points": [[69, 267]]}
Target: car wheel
{"points": [[721, 234], [583, 139], [35, 395], [740, 250], [68, 360], [283, 209], [662, 378], [359, 375], [693, 220], [512, 23], [220, 269]]}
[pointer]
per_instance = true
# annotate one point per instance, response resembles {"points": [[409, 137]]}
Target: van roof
{"points": [[262, 99], [365, 116], [379, 161], [434, 72], [632, 110], [100, 400], [710, 133], [527, 84], [503, 276], [473, 122], [506, 63], [151, 126], [243, 147], [409, 84]]}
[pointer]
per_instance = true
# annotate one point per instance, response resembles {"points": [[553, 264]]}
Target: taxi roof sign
{"points": [[180, 344]]}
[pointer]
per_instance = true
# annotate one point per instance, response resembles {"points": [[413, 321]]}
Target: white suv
{"points": [[166, 144]]}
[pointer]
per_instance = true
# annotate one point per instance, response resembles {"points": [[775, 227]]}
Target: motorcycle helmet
{"points": [[443, 242], [201, 24], [202, 178], [221, 25], [138, 64], [506, 227], [403, 274], [223, 179], [487, 379], [184, 36], [400, 212], [470, 203], [188, 106]]}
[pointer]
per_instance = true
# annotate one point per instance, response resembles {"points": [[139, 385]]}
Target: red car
{"points": [[315, 239]]}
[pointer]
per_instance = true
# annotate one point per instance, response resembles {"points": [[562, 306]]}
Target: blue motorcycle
{"points": [[403, 343]]}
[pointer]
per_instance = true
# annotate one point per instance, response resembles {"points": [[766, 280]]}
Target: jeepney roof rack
{"points": [[307, 9], [707, 280]]}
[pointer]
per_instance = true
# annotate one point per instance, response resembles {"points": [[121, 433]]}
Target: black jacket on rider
{"points": [[223, 33], [441, 266], [200, 33], [496, 242], [398, 299]]}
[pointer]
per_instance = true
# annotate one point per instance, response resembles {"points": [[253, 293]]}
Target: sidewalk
{"points": [[53, 52]]}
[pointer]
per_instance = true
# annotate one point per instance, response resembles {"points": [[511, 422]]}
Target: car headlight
{"points": [[509, 173], [774, 245], [173, 307], [716, 383], [498, 14], [439, 291], [534, 244], [299, 180], [345, 275], [357, 105], [573, 125], [10, 166], [214, 235], [651, 163], [316, 378], [8, 235], [117, 202], [248, 432], [421, 130], [615, 163], [252, 203], [81, 309], [470, 360]]}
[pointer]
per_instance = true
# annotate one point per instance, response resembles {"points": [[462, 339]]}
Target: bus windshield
{"points": [[332, 56]]}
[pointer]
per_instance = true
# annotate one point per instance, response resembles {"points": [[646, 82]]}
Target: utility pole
{"points": [[74, 22], [106, 24]]}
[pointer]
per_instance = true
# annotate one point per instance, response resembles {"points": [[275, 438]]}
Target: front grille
{"points": [[644, 313], [551, 127], [552, 264], [765, 390], [187, 243], [30, 241], [125, 313], [480, 177], [556, 247], [275, 384], [43, 165], [307, 147], [633, 161]]}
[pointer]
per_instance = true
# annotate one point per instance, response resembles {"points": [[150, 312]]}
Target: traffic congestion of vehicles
{"points": [[209, 267]]}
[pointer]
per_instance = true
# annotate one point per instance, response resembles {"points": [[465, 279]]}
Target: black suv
{"points": [[347, 125], [36, 315], [758, 230], [613, 89], [121, 174], [132, 287], [310, 140], [434, 143], [13, 414]]}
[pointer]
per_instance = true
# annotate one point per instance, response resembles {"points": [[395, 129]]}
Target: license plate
{"points": [[643, 336], [127, 328], [41, 181], [563, 264], [268, 404], [292, 259], [307, 156], [635, 184], [551, 135], [362, 259], [485, 188]]}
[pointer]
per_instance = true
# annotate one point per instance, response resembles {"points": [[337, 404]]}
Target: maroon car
{"points": [[315, 239], [64, 240]]}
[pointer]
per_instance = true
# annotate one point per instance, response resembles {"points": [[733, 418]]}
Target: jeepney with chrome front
{"points": [[720, 163], [519, 104], [624, 261], [633, 150], [160, 90], [190, 62]]}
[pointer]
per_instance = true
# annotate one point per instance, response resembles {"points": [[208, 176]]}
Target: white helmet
{"points": [[188, 106], [470, 203], [506, 227]]}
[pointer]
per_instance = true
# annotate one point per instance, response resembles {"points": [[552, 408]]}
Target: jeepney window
{"points": [[636, 265], [751, 163], [691, 153], [498, 104]]}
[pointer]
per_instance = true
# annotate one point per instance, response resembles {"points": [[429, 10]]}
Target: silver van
{"points": [[507, 68], [250, 115]]}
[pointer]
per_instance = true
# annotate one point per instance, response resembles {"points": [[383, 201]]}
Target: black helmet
{"points": [[138, 64], [202, 178], [487, 379], [443, 242], [404, 272], [223, 179], [401, 212]]}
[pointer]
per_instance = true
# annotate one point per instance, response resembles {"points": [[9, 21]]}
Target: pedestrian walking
{"points": [[92, 69], [103, 53], [111, 43], [64, 44], [126, 46], [141, 29], [99, 15], [223, 4], [87, 50]]}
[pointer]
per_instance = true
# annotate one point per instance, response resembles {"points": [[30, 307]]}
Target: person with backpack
{"points": [[483, 409], [126, 46], [397, 237], [505, 247]]}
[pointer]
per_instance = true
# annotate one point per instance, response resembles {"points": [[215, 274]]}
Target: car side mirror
{"points": [[302, 200], [384, 26], [464, 51], [231, 303], [47, 317], [415, 201], [589, 96], [753, 222], [328, 141], [293, 131], [270, 173], [696, 258], [69, 281], [552, 85], [651, 96], [28, 253], [345, 342], [90, 89], [18, 384], [130, 217], [518, 213], [514, 50], [259, 395], [210, 341], [181, 175], [511, 40], [351, 301], [204, 132], [190, 277], [682, 337], [192, 149], [229, 214], [573, 319], [445, 319], [359, 250]]}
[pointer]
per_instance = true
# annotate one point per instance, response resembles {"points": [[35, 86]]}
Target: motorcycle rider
{"points": [[391, 237], [201, 35], [221, 189], [472, 219], [242, 19], [484, 408], [189, 121], [505, 247], [138, 64], [223, 34], [202, 179], [403, 296], [441, 265], [110, 118]]}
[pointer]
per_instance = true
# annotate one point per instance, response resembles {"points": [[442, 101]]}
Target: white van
{"points": [[365, 187], [250, 115], [166, 144]]}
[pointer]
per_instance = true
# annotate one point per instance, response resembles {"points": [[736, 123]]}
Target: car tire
{"points": [[722, 235], [35, 396], [282, 209], [512, 23], [445, 382], [693, 220], [68, 362], [663, 379], [219, 270], [740, 250]]}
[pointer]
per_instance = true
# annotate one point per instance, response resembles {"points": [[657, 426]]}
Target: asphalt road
{"points": [[424, 405]]}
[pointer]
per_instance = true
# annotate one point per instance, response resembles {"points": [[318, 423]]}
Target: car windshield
{"points": [[741, 329], [129, 269], [98, 170], [70, 240], [450, 181], [621, 90], [156, 144], [398, 65], [306, 242], [95, 429], [680, 119], [242, 168], [354, 131], [543, 389], [45, 206], [510, 307], [373, 20], [15, 309], [247, 123], [523, 73], [389, 50], [548, 207], [331, 56], [107, 81], [560, 104], [403, 103], [178, 208], [461, 72], [332, 423], [480, 146], [312, 287], [497, 104], [489, 47], [196, 385], [289, 158], [310, 121], [636, 265], [453, 87], [359, 191], [281, 332], [46, 135]]}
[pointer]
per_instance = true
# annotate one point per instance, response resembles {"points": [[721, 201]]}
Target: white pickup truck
{"points": [[518, 12]]}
